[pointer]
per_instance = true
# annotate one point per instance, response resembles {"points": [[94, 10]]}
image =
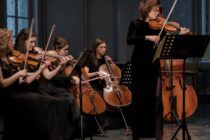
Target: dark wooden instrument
{"points": [[92, 102], [174, 89], [114, 94]]}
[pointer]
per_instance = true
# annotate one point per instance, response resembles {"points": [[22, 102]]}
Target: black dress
{"points": [[30, 115], [97, 84], [145, 75], [66, 112], [21, 106]]}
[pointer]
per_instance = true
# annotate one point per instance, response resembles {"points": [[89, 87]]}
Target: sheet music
{"points": [[159, 49], [182, 46]]}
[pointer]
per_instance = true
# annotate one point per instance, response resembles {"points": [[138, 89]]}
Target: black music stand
{"points": [[81, 62], [182, 47]]}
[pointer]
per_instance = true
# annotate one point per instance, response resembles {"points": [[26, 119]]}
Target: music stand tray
{"points": [[182, 47], [126, 75]]}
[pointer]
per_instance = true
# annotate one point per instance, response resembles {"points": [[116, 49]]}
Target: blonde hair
{"points": [[5, 40]]}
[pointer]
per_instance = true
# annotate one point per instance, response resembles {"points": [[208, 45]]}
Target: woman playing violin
{"points": [[146, 104], [22, 44], [34, 115], [55, 83], [146, 88], [54, 74], [6, 46], [19, 96]]}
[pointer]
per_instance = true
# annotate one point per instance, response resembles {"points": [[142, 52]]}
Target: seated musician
{"points": [[97, 59], [30, 114], [18, 100], [55, 82]]}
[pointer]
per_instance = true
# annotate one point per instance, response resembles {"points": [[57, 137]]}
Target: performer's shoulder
{"points": [[138, 21]]}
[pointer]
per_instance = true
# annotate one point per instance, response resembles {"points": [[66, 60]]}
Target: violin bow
{"points": [[48, 42], [164, 24], [28, 45]]}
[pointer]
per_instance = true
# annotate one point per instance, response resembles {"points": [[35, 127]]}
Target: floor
{"points": [[198, 126]]}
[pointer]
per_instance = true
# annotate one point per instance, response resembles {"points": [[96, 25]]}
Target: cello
{"points": [[115, 94], [92, 102], [172, 92], [90, 99]]}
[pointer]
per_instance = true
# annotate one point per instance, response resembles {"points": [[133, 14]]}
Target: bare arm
{"points": [[94, 74], [91, 74], [10, 80], [33, 76], [50, 74]]}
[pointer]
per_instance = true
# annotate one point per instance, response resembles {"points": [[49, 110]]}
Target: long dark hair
{"points": [[59, 43], [21, 38], [95, 45]]}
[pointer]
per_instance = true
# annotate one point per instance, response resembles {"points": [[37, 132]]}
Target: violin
{"points": [[52, 55], [170, 27], [18, 58]]}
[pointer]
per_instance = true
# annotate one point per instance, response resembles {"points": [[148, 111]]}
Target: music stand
{"points": [[182, 47], [81, 62]]}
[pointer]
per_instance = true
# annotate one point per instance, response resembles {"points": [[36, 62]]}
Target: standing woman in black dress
{"points": [[146, 105]]}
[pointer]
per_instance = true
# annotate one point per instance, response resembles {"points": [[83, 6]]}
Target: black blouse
{"points": [[144, 49]]}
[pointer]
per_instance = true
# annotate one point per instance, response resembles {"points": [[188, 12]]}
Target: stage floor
{"points": [[198, 126]]}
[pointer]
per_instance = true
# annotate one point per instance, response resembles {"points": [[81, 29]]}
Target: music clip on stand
{"points": [[81, 62], [126, 75], [182, 47]]}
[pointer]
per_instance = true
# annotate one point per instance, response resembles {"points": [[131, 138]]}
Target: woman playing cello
{"points": [[92, 68]]}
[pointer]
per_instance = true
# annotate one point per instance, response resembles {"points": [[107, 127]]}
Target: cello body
{"points": [[172, 92], [117, 96], [92, 102], [114, 94]]}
